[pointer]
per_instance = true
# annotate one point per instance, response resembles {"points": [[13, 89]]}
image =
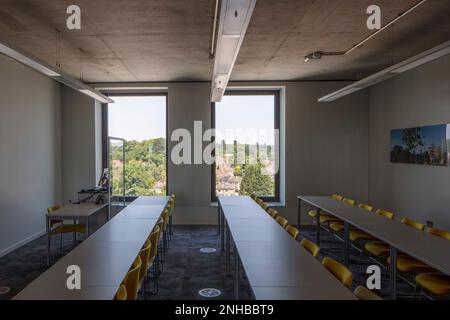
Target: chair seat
{"points": [[337, 226], [378, 248], [436, 283], [359, 235], [69, 228], [325, 218], [312, 213], [406, 263]]}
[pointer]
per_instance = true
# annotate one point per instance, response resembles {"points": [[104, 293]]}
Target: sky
{"points": [[247, 119], [137, 117], [436, 134]]}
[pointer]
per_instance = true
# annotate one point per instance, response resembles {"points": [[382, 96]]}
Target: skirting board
{"points": [[21, 243]]}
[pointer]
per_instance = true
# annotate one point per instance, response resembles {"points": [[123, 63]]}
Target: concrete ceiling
{"points": [[168, 40]]}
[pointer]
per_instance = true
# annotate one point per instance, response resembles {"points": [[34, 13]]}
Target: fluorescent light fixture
{"points": [[234, 19], [51, 72], [411, 63]]}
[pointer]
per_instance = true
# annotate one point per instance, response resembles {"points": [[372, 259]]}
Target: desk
{"points": [[421, 245], [150, 200], [71, 212], [104, 258], [277, 266]]}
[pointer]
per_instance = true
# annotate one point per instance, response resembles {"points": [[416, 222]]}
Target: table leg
{"points": [[227, 245], [346, 244], [47, 228], [318, 227], [236, 275], [218, 219], [393, 273], [222, 234], [299, 211]]}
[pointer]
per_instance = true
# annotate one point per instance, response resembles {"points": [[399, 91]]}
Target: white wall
{"points": [[81, 141], [326, 147], [416, 98], [30, 152]]}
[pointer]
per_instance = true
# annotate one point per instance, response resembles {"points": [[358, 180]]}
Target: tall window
{"points": [[247, 145], [141, 121]]}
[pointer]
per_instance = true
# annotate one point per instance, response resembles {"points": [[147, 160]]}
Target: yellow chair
{"points": [[64, 228], [264, 205], [436, 283], [258, 200], [144, 254], [339, 271], [121, 294], [337, 197], [165, 215], [385, 213], [348, 201], [253, 196], [365, 207], [282, 221], [272, 212], [362, 293], [131, 280], [355, 235], [171, 205], [293, 231], [153, 260], [414, 224], [311, 247], [440, 233], [313, 213], [50, 210]]}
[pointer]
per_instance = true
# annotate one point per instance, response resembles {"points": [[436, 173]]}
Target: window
{"points": [[141, 121], [247, 145]]}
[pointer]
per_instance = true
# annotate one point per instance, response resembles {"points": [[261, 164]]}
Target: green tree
{"points": [[255, 182]]}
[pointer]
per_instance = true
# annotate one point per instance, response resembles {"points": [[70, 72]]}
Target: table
{"points": [[422, 246], [276, 265], [71, 212], [104, 258], [150, 200]]}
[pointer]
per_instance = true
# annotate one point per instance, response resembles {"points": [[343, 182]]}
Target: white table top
{"points": [[141, 212], [276, 265], [150, 200], [426, 247], [81, 210]]}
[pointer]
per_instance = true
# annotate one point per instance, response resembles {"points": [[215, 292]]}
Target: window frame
{"points": [[250, 92], [105, 131]]}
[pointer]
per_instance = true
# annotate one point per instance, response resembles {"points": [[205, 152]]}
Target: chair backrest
{"points": [[264, 205], [440, 233], [272, 212], [258, 200], [348, 201], [53, 208], [172, 196], [154, 239], [365, 207], [165, 215], [337, 197], [365, 294], [339, 271], [293, 231], [144, 254], [121, 294], [282, 221], [170, 206], [131, 280], [385, 213], [412, 223], [311, 247], [253, 196]]}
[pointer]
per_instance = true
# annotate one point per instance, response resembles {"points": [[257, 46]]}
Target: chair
{"points": [[311, 247], [440, 233], [144, 254], [362, 293], [153, 257], [379, 248], [313, 213], [264, 205], [64, 228], [165, 215], [407, 263], [337, 197], [435, 283], [348, 201], [293, 231], [131, 280], [339, 271], [272, 212], [258, 201], [253, 196], [121, 294], [365, 207], [171, 205], [282, 221]]}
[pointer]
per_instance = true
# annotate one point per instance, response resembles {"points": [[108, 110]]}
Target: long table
{"points": [[423, 246], [277, 266], [104, 258]]}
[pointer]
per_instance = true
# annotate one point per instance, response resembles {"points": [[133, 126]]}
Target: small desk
{"points": [[151, 200], [71, 212], [141, 212]]}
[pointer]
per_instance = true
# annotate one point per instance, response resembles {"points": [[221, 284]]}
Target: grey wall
{"points": [[81, 141], [30, 152], [415, 98]]}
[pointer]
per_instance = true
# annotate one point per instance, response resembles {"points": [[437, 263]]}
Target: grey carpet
{"points": [[186, 269]]}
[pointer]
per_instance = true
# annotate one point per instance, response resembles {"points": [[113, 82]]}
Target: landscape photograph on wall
{"points": [[420, 145]]}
